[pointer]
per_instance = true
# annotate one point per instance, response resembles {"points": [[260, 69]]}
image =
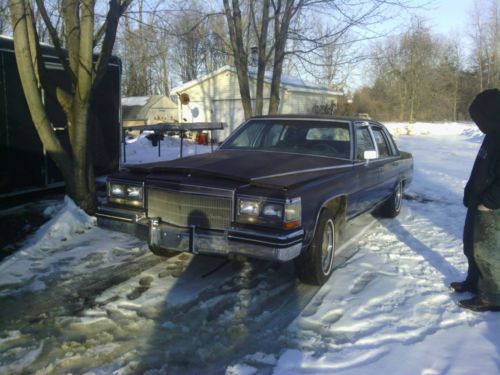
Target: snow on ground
{"points": [[139, 149], [79, 299]]}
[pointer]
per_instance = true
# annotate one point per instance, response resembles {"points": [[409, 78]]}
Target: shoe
{"points": [[478, 304], [462, 287]]}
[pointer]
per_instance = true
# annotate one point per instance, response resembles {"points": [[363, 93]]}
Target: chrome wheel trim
{"points": [[327, 247], [398, 196]]}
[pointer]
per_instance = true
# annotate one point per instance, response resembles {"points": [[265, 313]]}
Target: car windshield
{"points": [[322, 138]]}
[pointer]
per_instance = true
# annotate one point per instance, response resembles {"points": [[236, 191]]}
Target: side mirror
{"points": [[370, 155]]}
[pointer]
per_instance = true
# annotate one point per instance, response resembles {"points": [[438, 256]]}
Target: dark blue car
{"points": [[279, 188]]}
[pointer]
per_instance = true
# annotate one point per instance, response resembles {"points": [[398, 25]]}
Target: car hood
{"points": [[258, 168]]}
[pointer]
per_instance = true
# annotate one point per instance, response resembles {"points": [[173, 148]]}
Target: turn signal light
{"points": [[291, 224]]}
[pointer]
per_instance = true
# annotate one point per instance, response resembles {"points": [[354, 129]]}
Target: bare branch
{"points": [[56, 42], [116, 10]]}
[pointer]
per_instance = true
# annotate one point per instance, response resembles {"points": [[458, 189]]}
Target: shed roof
{"points": [[137, 107], [289, 83]]}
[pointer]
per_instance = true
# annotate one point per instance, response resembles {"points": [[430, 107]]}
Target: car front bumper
{"points": [[233, 241]]}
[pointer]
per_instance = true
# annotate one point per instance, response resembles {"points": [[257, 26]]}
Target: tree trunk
{"points": [[262, 59], [22, 21], [82, 184], [281, 36], [75, 163], [240, 56]]}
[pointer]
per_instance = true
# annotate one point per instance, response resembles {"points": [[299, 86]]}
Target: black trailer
{"points": [[24, 164]]}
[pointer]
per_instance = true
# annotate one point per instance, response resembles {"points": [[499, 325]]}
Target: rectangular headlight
{"points": [[134, 192], [273, 210], [116, 190], [249, 207], [123, 193], [275, 213]]}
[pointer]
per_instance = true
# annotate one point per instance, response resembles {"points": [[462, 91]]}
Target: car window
{"points": [[272, 135], [322, 138], [364, 142], [383, 147], [390, 140], [328, 134], [248, 136]]}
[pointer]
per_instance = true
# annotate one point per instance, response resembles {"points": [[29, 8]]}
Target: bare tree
{"points": [[4, 24], [167, 41], [235, 26], [287, 39], [485, 37], [451, 70], [262, 56], [79, 18], [478, 37], [136, 42], [160, 66], [191, 43], [417, 76]]}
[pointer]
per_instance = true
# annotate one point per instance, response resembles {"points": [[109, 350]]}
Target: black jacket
{"points": [[484, 182]]}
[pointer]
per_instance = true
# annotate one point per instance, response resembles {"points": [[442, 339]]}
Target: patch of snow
{"points": [[68, 222], [430, 128], [241, 370], [25, 357], [49, 211], [135, 101], [140, 150], [261, 358]]}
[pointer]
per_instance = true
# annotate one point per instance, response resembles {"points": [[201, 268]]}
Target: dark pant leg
{"points": [[487, 255], [473, 270]]}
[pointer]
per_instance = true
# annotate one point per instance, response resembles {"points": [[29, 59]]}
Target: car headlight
{"points": [[273, 210], [116, 190], [125, 194], [249, 207], [286, 214], [134, 192]]}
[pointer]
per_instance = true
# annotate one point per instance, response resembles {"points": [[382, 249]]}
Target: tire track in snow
{"points": [[67, 297]]}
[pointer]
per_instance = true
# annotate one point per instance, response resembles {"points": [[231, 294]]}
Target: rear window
{"points": [[328, 134]]}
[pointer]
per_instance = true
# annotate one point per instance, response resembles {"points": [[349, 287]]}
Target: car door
{"points": [[387, 162], [367, 173]]}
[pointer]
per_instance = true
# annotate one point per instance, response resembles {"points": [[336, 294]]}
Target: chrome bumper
{"points": [[123, 220], [233, 241]]}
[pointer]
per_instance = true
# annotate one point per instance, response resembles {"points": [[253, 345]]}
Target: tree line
{"points": [[419, 75]]}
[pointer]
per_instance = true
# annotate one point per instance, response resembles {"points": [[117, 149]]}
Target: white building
{"points": [[148, 110], [215, 97]]}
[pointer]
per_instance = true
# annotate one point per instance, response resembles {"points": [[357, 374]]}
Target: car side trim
{"points": [[302, 171], [121, 218]]}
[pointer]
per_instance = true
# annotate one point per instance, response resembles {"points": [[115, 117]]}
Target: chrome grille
{"points": [[184, 208]]}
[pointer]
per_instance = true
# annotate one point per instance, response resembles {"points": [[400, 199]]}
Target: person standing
{"points": [[482, 199]]}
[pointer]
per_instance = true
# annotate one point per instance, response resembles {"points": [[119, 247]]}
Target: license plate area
{"points": [[172, 238]]}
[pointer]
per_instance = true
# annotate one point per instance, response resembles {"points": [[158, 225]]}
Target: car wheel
{"points": [[392, 207], [315, 265]]}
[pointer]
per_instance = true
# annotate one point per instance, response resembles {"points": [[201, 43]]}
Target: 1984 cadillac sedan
{"points": [[279, 188]]}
